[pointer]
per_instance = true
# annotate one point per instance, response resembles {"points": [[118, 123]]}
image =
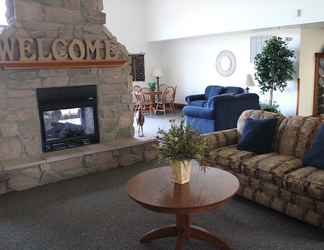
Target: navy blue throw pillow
{"points": [[258, 136], [315, 156]]}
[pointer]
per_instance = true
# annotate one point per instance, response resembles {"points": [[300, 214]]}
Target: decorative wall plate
{"points": [[226, 63]]}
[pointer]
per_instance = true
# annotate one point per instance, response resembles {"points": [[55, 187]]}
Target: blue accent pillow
{"points": [[258, 136], [315, 156]]}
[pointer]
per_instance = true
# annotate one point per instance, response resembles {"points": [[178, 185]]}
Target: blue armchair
{"points": [[221, 112], [210, 92]]}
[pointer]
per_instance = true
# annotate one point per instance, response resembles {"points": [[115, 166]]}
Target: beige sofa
{"points": [[277, 180]]}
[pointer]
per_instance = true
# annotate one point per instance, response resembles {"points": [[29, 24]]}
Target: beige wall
{"points": [[190, 63], [126, 20], [312, 41], [132, 22]]}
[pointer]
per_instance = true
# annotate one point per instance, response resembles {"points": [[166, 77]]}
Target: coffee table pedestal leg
{"points": [[199, 233], [164, 232], [183, 230]]}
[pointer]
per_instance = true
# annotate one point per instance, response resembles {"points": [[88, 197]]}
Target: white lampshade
{"points": [[157, 72], [249, 81]]}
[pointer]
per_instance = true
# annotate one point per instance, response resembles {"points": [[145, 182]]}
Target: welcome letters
{"points": [[27, 49]]}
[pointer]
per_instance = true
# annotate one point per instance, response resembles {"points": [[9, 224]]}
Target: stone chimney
{"points": [[55, 11], [32, 62], [48, 19], [20, 136]]}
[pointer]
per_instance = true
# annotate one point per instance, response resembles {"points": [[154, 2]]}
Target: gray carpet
{"points": [[94, 212]]}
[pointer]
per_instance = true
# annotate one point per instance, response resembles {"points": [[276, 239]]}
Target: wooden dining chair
{"points": [[173, 99], [144, 102], [137, 88], [164, 104], [163, 87]]}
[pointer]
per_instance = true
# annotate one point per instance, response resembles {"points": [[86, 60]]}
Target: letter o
{"points": [[82, 51]]}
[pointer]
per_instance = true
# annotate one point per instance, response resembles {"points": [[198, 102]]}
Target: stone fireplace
{"points": [[60, 53]]}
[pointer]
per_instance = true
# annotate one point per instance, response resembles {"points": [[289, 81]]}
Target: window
{"points": [[256, 45], [138, 67], [3, 20]]}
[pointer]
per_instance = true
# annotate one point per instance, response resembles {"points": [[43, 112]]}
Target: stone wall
{"points": [[57, 166]]}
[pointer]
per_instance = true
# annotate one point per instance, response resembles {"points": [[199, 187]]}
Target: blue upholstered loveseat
{"points": [[211, 91], [220, 112]]}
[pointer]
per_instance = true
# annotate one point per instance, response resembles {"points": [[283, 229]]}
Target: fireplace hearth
{"points": [[68, 117]]}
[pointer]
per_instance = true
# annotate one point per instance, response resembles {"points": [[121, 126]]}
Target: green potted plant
{"points": [[274, 108], [274, 67], [152, 85], [180, 145]]}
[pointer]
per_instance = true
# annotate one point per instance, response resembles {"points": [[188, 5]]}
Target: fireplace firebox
{"points": [[68, 117]]}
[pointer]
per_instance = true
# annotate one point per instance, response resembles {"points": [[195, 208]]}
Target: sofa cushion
{"points": [[199, 103], [213, 91], [295, 180], [316, 185], [315, 156], [308, 181], [232, 90], [221, 138], [270, 167], [258, 135], [229, 157], [295, 135]]}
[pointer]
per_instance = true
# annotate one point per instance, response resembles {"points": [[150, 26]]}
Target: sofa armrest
{"points": [[192, 98], [199, 112], [221, 138]]}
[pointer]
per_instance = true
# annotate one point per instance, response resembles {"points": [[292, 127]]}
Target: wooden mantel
{"points": [[71, 64]]}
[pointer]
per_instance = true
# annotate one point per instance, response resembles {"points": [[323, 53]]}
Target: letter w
{"points": [[7, 49]]}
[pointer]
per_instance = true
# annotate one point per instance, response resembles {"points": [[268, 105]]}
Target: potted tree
{"points": [[274, 67], [180, 145]]}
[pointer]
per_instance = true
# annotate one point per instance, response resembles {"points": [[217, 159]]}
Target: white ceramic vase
{"points": [[181, 171]]}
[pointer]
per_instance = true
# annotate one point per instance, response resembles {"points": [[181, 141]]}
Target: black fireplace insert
{"points": [[68, 117]]}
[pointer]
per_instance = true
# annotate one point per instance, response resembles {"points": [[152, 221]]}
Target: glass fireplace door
{"points": [[66, 124], [68, 117]]}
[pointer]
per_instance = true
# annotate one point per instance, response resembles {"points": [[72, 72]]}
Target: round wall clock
{"points": [[226, 63]]}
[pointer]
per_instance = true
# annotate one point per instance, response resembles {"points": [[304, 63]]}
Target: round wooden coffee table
{"points": [[207, 189]]}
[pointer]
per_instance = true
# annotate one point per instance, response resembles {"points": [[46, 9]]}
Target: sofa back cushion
{"points": [[232, 90], [213, 90], [294, 135], [228, 108]]}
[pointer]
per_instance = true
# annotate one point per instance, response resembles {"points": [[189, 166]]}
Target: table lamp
{"points": [[157, 73], [249, 82]]}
